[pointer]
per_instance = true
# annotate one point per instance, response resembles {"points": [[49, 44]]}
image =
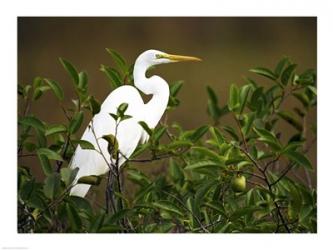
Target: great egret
{"points": [[129, 132]]}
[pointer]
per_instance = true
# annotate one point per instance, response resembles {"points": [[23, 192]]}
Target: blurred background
{"points": [[229, 46]]}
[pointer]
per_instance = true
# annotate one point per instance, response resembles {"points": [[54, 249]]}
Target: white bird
{"points": [[129, 132]]}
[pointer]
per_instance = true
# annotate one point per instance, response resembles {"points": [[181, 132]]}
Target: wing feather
{"points": [[129, 133]]}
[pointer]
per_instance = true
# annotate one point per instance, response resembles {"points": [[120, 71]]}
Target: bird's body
{"points": [[129, 132]]}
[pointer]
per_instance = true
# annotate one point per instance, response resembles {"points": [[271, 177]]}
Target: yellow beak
{"points": [[178, 58]]}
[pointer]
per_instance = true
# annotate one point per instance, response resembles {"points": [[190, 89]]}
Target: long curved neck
{"points": [[155, 86]]}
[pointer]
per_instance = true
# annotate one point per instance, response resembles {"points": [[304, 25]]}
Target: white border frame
{"points": [[9, 239]]}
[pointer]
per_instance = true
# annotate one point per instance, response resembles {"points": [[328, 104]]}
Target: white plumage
{"points": [[129, 132]]}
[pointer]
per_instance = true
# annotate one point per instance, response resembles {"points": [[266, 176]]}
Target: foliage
{"points": [[222, 177]]}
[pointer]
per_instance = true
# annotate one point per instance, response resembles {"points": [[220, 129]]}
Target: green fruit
{"points": [[238, 183]]}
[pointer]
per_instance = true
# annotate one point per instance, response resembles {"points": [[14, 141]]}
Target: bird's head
{"points": [[155, 57]]}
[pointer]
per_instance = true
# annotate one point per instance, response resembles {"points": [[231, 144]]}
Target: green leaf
{"points": [[50, 154], [110, 229], [168, 206], [41, 138], [38, 87], [113, 145], [146, 127], [202, 164], [299, 158], [55, 129], [140, 149], [118, 59], [68, 175], [122, 109], [233, 102], [264, 72], [213, 110], [198, 133], [312, 89], [97, 223], [307, 78], [112, 75], [243, 212], [83, 81], [81, 204], [217, 206], [211, 94], [231, 131], [268, 138], [70, 70], [39, 91], [179, 144], [290, 118], [56, 88], [303, 98], [125, 117], [217, 135], [76, 122], [279, 67], [38, 81], [175, 87], [137, 177], [244, 93], [173, 102], [248, 122], [158, 133], [90, 179], [20, 90], [46, 166], [203, 190], [52, 186], [73, 218], [114, 116], [175, 171], [32, 122], [85, 144], [207, 152], [193, 208], [95, 106], [287, 74]]}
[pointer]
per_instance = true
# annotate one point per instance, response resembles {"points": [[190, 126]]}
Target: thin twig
{"points": [[268, 184], [194, 216], [256, 183], [27, 155], [55, 202], [209, 225], [256, 164], [156, 158], [248, 173], [271, 162], [284, 172]]}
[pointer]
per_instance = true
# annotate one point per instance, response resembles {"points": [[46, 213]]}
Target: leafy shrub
{"points": [[220, 178]]}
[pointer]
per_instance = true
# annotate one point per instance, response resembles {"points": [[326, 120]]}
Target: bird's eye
{"points": [[158, 56]]}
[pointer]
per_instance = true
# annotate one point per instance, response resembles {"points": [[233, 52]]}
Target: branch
{"points": [[271, 162], [194, 216], [248, 173], [285, 171], [156, 158], [256, 164], [26, 155], [268, 184], [256, 183]]}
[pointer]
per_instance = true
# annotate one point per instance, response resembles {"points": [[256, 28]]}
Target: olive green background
{"points": [[229, 46]]}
